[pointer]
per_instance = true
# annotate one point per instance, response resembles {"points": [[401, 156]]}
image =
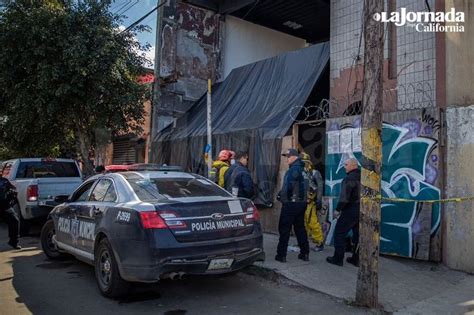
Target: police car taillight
{"points": [[252, 214], [172, 220], [32, 193], [151, 220]]}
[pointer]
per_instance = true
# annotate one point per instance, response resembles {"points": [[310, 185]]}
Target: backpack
{"points": [[215, 173], [313, 184]]}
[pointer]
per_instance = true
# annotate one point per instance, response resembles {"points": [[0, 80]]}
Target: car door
{"points": [[90, 214], [65, 216]]}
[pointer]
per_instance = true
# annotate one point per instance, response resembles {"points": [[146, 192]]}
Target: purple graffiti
{"points": [[431, 174], [414, 128], [416, 227], [428, 130], [434, 158], [333, 127], [357, 123]]}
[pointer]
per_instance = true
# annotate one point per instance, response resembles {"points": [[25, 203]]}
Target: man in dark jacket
{"points": [[7, 213], [293, 196], [348, 207], [238, 177]]}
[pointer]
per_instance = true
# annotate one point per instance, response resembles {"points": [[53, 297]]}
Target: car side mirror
{"points": [[61, 198]]}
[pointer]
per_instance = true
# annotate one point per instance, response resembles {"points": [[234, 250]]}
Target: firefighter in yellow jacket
{"points": [[220, 167], [315, 187]]}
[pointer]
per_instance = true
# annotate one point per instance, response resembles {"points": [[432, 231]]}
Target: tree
{"points": [[367, 280], [66, 71]]}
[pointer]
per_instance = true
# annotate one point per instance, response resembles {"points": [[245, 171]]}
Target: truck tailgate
{"points": [[56, 186]]}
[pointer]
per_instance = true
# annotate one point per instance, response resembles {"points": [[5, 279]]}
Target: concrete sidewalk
{"points": [[405, 286]]}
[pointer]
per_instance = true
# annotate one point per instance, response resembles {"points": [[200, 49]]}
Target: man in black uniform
{"points": [[238, 177], [7, 213], [348, 207], [293, 196]]}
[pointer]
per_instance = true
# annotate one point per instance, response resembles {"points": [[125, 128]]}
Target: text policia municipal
{"points": [[218, 225]]}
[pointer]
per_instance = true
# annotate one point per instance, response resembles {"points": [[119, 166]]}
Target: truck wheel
{"points": [[47, 244], [107, 273]]}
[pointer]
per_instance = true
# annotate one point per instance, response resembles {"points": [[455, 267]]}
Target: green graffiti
{"points": [[403, 176]]}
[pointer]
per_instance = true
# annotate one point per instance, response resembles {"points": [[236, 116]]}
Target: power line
{"points": [[129, 7], [143, 17], [253, 7], [120, 7]]}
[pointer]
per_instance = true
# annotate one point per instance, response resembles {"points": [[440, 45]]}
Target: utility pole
{"points": [[209, 128], [369, 241]]}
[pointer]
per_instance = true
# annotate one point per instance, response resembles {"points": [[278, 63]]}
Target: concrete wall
{"points": [[459, 57], [458, 241], [245, 43]]}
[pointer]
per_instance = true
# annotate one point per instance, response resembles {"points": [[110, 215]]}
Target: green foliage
{"points": [[66, 71]]}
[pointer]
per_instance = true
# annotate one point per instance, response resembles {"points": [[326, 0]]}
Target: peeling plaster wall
{"points": [[245, 43], [458, 241], [190, 55]]}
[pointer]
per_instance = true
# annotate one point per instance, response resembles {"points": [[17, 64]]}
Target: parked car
{"points": [[38, 182], [150, 225]]}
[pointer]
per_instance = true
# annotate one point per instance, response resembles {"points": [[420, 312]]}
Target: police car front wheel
{"points": [[106, 272]]}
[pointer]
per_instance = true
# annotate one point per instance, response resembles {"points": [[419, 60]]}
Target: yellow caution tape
{"points": [[457, 199]]}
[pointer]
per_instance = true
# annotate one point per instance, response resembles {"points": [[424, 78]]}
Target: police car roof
{"points": [[156, 174]]}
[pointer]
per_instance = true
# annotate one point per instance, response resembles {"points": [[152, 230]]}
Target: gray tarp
{"points": [[252, 109]]}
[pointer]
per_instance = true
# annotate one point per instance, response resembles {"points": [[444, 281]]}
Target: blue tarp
{"points": [[252, 109]]}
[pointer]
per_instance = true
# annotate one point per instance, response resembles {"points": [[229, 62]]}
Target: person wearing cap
{"points": [[220, 167], [293, 196], [315, 193]]}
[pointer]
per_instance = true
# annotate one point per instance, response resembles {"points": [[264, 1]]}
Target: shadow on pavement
{"points": [[51, 287]]}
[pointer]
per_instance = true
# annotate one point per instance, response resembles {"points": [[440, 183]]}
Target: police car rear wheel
{"points": [[106, 272], [47, 243]]}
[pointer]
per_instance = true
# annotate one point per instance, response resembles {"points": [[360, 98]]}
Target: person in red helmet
{"points": [[220, 167]]}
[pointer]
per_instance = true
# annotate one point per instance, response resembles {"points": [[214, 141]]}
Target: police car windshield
{"points": [[148, 189]]}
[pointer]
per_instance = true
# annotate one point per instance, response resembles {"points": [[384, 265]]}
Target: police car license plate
{"points": [[216, 264]]}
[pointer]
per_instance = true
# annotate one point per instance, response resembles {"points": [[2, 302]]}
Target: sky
{"points": [[134, 10]]}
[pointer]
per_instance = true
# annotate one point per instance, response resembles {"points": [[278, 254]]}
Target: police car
{"points": [[145, 226]]}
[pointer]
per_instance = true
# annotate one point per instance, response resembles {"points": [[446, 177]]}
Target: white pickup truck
{"points": [[38, 181]]}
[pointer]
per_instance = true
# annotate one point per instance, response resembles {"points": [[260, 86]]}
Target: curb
{"points": [[277, 277]]}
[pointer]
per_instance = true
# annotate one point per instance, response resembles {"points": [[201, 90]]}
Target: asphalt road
{"points": [[32, 284]]}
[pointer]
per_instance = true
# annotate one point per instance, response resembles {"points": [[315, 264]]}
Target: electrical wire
{"points": [[253, 7], [121, 7], [128, 8], [143, 17]]}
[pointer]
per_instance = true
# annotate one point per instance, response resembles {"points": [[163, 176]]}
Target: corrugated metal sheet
{"points": [[124, 152]]}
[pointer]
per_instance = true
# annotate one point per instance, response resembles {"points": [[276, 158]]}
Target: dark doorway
{"points": [[312, 140]]}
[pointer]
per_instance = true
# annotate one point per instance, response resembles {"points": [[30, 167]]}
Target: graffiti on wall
{"points": [[409, 171]]}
